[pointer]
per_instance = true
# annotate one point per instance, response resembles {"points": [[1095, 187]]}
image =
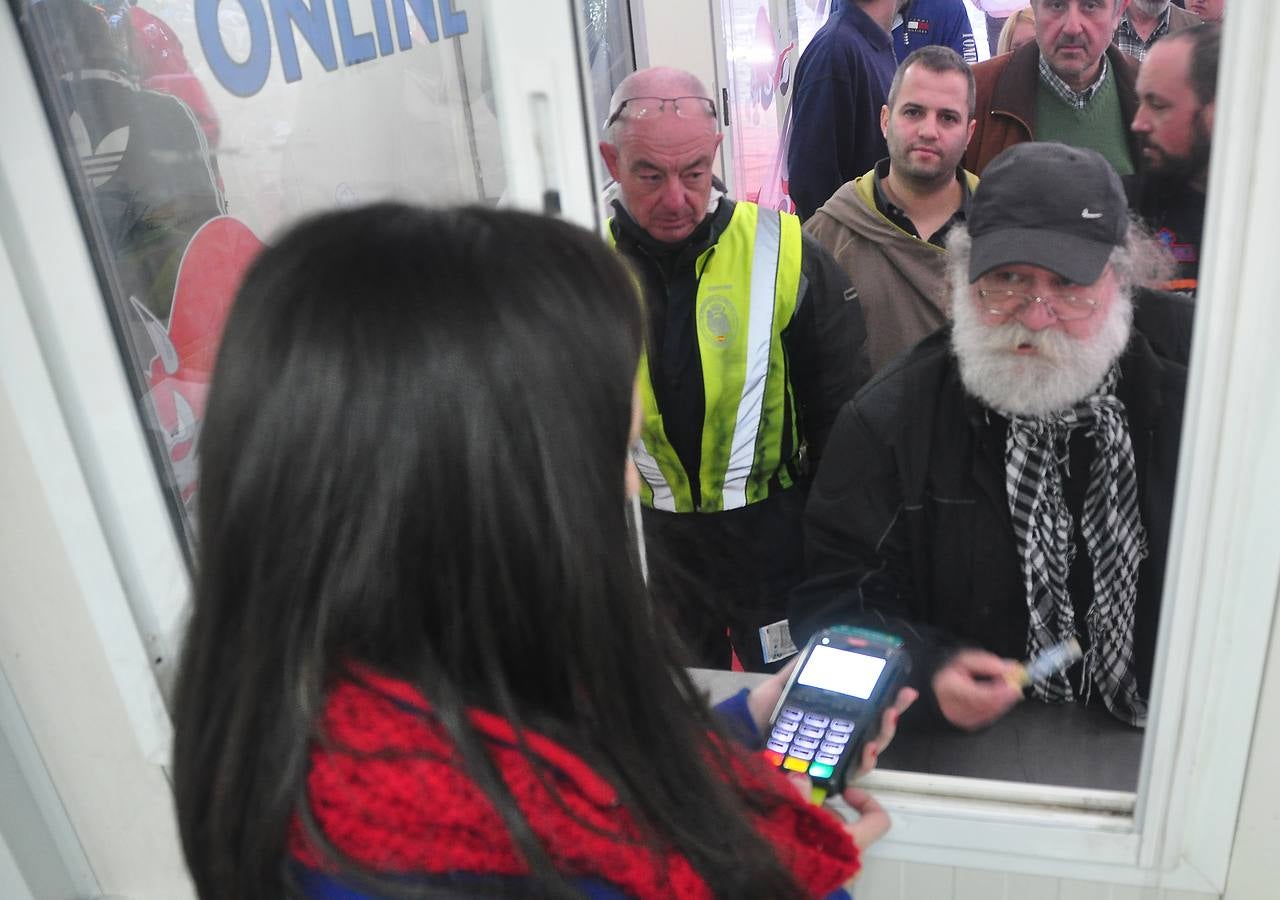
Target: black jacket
{"points": [[825, 343], [908, 528]]}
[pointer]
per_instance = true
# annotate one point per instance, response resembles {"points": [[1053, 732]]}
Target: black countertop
{"points": [[1068, 745]]}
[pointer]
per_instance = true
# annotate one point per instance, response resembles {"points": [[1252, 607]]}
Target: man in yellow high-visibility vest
{"points": [[755, 341]]}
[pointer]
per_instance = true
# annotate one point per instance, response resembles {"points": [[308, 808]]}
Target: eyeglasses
{"points": [[1064, 307], [645, 107]]}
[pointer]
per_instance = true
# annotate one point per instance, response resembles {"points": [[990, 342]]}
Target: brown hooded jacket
{"points": [[900, 279]]}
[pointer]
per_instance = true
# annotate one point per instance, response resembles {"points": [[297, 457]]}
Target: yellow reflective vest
{"points": [[747, 294]]}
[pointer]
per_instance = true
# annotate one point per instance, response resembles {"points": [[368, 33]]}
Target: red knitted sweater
{"points": [[390, 792]]}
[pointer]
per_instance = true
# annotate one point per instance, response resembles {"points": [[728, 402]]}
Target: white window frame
{"points": [[1225, 566], [541, 87], [57, 282], [1224, 570]]}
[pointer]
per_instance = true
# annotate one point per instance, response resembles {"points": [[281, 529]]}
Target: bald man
{"points": [[755, 340]]}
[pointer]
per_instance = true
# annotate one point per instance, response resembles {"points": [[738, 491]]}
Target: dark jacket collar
{"points": [[1139, 389], [851, 13], [898, 216], [1015, 91], [630, 235]]}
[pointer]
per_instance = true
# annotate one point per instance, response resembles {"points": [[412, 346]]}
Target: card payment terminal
{"points": [[831, 705]]}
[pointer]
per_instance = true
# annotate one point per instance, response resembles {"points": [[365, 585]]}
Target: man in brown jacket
{"points": [[887, 229], [1070, 86]]}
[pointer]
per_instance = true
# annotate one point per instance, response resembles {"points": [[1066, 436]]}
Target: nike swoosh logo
{"points": [[1085, 214]]}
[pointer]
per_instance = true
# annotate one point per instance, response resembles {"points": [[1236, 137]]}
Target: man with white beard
{"points": [[1146, 21], [1007, 484]]}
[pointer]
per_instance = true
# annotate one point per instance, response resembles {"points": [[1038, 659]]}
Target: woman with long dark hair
{"points": [[422, 661]]}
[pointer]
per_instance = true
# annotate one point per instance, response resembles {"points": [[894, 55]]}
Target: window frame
{"points": [[1219, 600], [1221, 591]]}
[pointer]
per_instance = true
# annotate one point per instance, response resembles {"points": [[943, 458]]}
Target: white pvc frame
{"points": [[1225, 566], [539, 74], [139, 612], [1224, 572]]}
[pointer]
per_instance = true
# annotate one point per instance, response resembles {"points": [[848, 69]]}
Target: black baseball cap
{"points": [[1049, 205]]}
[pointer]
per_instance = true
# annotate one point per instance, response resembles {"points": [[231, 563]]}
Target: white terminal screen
{"points": [[841, 671]]}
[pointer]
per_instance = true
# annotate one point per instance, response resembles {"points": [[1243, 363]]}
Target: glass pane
{"points": [[610, 54], [1073, 744], [194, 133], [763, 42]]}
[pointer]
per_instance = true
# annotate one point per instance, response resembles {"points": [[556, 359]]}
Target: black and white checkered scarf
{"points": [[1036, 455]]}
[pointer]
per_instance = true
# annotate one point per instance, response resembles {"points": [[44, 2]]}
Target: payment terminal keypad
{"points": [[807, 742]]}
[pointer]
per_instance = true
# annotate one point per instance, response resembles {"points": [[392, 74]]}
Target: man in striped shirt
{"points": [[1146, 21]]}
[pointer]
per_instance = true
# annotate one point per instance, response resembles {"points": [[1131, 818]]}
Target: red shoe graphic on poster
{"points": [[178, 375]]}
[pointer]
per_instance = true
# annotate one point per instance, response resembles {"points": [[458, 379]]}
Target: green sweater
{"points": [[1099, 126]]}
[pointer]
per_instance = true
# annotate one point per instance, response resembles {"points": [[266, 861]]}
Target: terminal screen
{"points": [[842, 672]]}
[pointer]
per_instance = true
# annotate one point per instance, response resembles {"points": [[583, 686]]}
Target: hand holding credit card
{"points": [[1051, 661]]}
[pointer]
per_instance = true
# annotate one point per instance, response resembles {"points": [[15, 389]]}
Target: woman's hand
{"points": [[765, 696], [872, 822], [888, 728]]}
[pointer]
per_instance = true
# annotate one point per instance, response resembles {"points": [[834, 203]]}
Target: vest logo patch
{"points": [[717, 320], [920, 26]]}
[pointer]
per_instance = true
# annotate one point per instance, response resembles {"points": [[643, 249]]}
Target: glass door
{"points": [[193, 133], [190, 134], [150, 149], [758, 43]]}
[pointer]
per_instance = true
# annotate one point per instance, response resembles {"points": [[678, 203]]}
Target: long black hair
{"points": [[412, 458]]}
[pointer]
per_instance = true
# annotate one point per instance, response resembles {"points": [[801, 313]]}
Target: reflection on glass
{"points": [[610, 57], [195, 132], [763, 42], [142, 154], [1047, 737]]}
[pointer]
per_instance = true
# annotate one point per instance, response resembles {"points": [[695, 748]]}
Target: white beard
{"points": [[1062, 372], [1150, 7]]}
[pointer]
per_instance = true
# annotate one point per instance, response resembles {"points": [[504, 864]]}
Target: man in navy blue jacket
{"points": [[842, 81], [921, 23]]}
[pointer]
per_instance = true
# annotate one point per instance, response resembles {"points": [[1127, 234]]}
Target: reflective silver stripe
{"points": [[663, 497], [764, 276]]}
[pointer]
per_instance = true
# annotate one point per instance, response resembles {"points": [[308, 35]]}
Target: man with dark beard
{"points": [[1177, 86], [1007, 484]]}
